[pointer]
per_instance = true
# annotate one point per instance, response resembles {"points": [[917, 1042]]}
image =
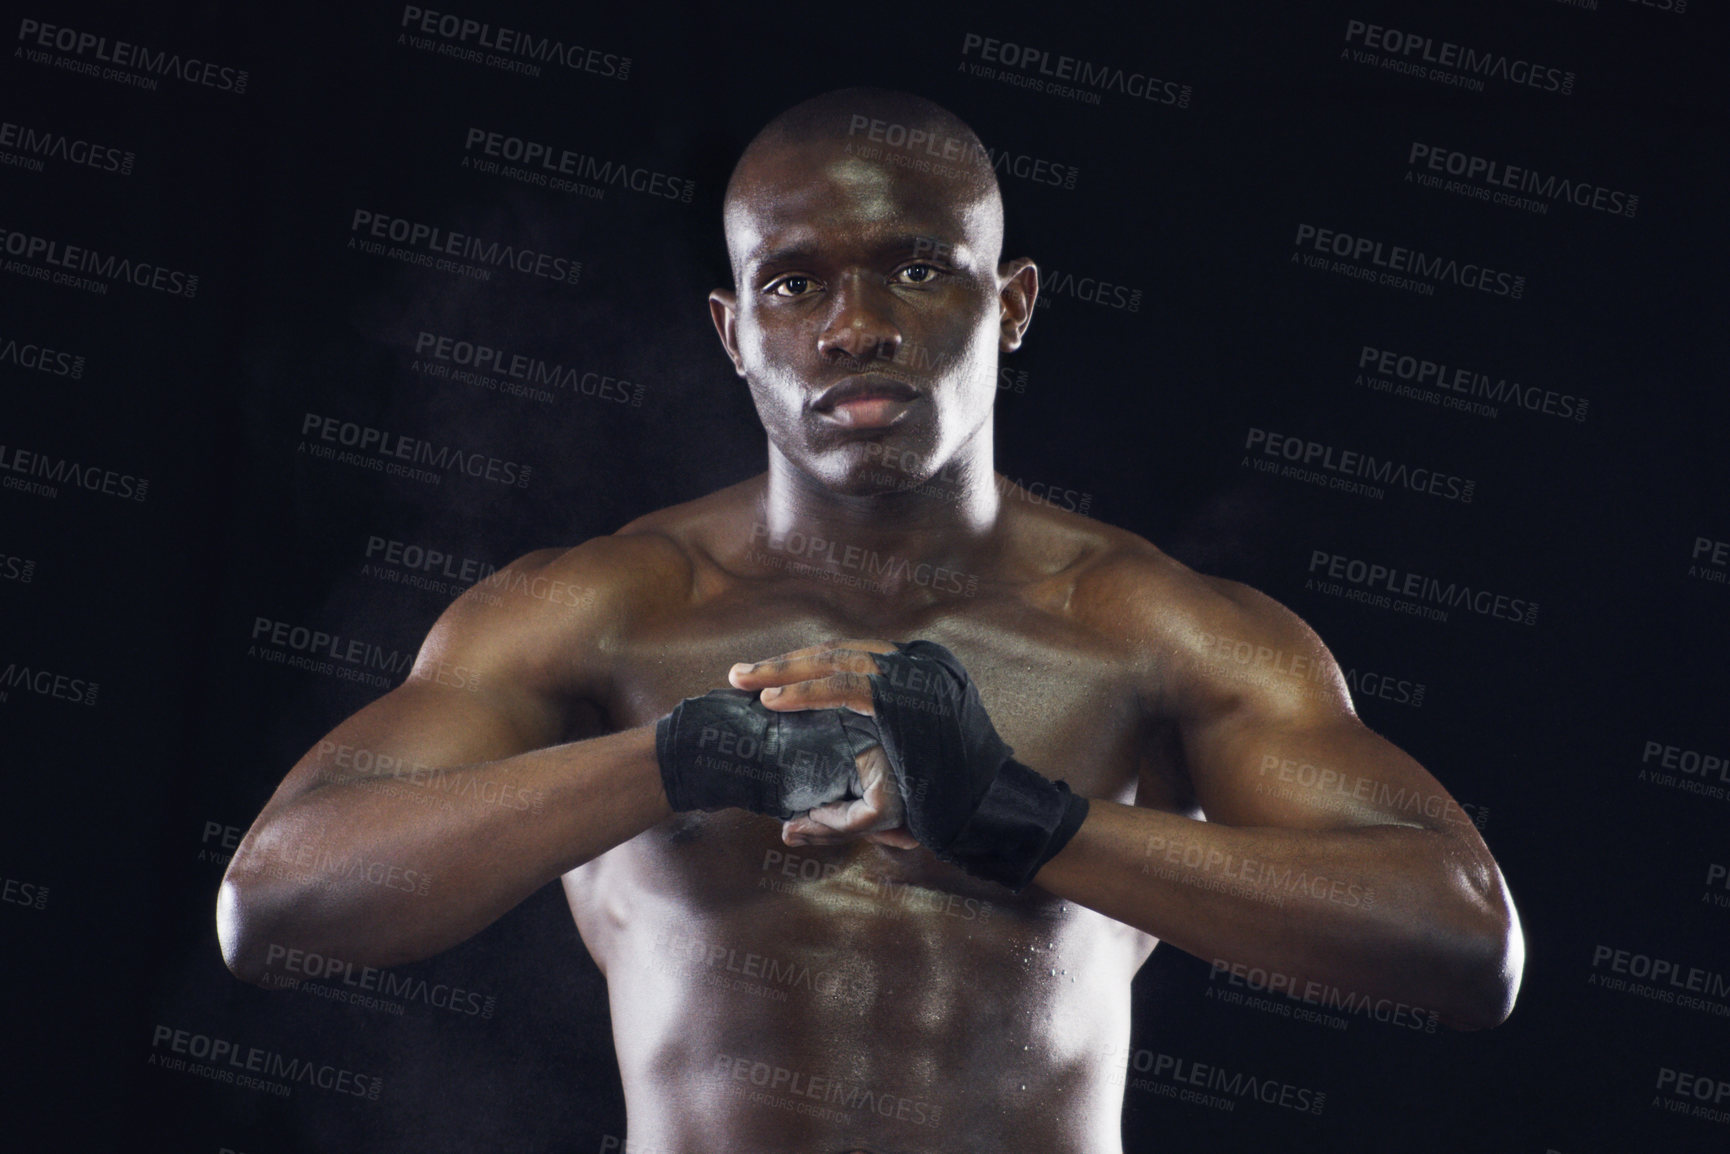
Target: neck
{"points": [[944, 519]]}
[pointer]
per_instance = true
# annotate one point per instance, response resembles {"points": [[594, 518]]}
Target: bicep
{"points": [[1318, 773], [487, 684], [1269, 736], [417, 728]]}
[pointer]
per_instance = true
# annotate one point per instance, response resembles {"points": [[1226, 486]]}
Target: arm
{"points": [[440, 806], [1327, 855]]}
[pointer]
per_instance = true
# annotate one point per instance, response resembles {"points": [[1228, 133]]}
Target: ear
{"points": [[724, 311], [1018, 290]]}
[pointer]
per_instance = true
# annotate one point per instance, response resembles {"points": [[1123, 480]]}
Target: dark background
{"points": [[110, 805]]}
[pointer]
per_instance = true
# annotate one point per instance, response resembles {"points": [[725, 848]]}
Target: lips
{"points": [[867, 401], [865, 387]]}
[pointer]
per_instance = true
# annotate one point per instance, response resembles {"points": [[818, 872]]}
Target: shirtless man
{"points": [[830, 984]]}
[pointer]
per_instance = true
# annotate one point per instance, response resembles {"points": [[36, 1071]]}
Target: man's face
{"points": [[868, 313]]}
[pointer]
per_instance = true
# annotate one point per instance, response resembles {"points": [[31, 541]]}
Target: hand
{"points": [[726, 749], [834, 676], [878, 816], [966, 797]]}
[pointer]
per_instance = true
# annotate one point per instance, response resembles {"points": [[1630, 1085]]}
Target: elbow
{"points": [[240, 951], [270, 930], [240, 932], [1488, 970], [1488, 1002]]}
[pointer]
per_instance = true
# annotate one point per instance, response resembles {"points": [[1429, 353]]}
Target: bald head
{"points": [[893, 145], [870, 300]]}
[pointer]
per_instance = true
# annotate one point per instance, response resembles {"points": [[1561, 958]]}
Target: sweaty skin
{"points": [[828, 986]]}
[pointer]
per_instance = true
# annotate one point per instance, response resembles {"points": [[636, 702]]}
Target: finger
{"points": [[807, 664], [799, 832], [848, 817], [806, 826], [837, 691], [841, 821], [812, 667], [878, 810], [863, 644], [803, 831]]}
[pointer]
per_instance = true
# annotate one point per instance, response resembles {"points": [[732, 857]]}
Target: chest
{"points": [[1063, 697], [1060, 694]]}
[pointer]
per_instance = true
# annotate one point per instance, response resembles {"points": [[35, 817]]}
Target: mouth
{"points": [[867, 401]]}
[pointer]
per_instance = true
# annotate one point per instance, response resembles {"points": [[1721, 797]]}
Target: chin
{"points": [[874, 477], [865, 468], [869, 479]]}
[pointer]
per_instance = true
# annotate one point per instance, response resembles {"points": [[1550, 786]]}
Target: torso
{"points": [[859, 997]]}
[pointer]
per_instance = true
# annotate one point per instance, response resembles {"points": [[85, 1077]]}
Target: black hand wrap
{"points": [[967, 799], [728, 749]]}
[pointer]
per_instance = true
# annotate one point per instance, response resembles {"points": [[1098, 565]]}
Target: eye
{"points": [[791, 286], [917, 273]]}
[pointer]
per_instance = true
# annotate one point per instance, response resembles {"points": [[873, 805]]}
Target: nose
{"points": [[860, 325]]}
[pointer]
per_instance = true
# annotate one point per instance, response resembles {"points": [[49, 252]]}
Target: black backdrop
{"points": [[176, 524]]}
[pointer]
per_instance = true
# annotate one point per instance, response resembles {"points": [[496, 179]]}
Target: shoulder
{"points": [[1199, 644], [544, 614]]}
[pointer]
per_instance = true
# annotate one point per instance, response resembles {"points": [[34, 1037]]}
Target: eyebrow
{"points": [[909, 242], [793, 254]]}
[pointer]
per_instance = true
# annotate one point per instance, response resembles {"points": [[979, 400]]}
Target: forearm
{"points": [[1380, 911], [392, 868]]}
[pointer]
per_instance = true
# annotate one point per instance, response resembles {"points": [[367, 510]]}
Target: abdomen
{"points": [[831, 998]]}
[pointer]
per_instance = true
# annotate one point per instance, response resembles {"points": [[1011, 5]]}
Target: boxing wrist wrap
{"points": [[966, 797], [727, 749], [1021, 823]]}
